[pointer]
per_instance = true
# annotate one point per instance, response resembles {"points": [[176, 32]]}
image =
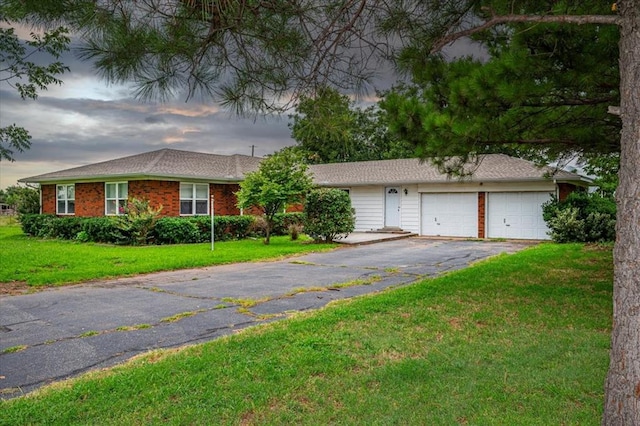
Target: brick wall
{"points": [[159, 193], [48, 199], [295, 208], [90, 199], [482, 209], [224, 198], [564, 189]]}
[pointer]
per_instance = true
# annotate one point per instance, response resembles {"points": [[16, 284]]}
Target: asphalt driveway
{"points": [[70, 330]]}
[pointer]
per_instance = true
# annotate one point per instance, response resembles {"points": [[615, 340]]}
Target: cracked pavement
{"points": [[66, 331]]}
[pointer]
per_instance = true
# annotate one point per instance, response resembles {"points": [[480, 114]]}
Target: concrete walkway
{"points": [[66, 331], [358, 238]]}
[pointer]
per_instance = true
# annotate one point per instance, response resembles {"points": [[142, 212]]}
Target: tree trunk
{"points": [[622, 399], [267, 230]]}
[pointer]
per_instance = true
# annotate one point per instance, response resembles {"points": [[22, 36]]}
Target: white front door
{"points": [[450, 214], [517, 215], [392, 207]]}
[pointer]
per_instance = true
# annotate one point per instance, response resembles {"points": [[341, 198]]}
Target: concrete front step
{"points": [[359, 238], [388, 230]]}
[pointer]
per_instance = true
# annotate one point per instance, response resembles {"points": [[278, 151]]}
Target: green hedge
{"points": [[175, 230], [282, 221], [582, 217], [167, 230], [36, 225]]}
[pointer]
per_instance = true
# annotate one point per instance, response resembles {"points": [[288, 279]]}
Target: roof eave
{"points": [[577, 180], [117, 177]]}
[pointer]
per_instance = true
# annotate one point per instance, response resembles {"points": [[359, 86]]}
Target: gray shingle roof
{"points": [[176, 164], [492, 167], [164, 163]]}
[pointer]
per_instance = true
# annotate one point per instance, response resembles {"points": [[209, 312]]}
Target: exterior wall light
{"points": [[405, 191]]}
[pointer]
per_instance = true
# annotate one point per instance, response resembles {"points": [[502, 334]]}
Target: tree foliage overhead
{"points": [[20, 71], [249, 55], [543, 94], [329, 128]]}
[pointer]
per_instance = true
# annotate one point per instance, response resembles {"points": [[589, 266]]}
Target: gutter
{"points": [[111, 178]]}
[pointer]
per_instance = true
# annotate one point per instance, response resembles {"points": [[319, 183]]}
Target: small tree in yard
{"points": [[281, 180], [138, 220], [328, 214]]}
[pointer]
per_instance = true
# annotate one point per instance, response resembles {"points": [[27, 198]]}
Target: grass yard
{"points": [[516, 340], [38, 262]]}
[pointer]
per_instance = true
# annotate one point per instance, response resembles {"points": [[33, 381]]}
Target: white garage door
{"points": [[450, 214], [516, 215]]}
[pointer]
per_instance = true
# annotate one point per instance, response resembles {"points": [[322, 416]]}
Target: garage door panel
{"points": [[516, 215], [450, 214]]}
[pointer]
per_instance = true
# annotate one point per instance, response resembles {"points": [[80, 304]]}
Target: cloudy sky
{"points": [[85, 121]]}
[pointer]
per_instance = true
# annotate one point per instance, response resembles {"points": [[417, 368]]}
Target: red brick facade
{"points": [[224, 199], [90, 197], [482, 203], [564, 189], [48, 199], [159, 193]]}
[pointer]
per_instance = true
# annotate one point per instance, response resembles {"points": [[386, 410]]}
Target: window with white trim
{"points": [[116, 194], [66, 199], [194, 199]]}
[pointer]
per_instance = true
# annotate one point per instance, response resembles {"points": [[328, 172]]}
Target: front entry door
{"points": [[392, 207]]}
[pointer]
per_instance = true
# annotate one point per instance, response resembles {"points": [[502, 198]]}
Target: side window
{"points": [[66, 199], [194, 199], [116, 195]]}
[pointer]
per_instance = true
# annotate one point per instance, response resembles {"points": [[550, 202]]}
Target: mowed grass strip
{"points": [[53, 262], [516, 340]]}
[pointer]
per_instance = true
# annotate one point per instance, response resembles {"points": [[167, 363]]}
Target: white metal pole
{"points": [[212, 225]]}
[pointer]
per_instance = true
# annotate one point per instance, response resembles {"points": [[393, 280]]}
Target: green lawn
{"points": [[516, 340], [55, 262]]}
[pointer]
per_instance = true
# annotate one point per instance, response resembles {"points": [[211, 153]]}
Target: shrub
{"points": [[83, 237], [175, 230], [566, 227], [197, 229], [225, 227], [103, 230], [142, 227], [600, 227], [138, 221], [295, 230], [65, 228], [35, 224], [329, 215], [232, 227], [259, 226], [282, 222], [581, 217]]}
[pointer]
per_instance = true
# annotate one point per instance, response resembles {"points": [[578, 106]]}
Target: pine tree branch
{"points": [[543, 141], [570, 102], [512, 19]]}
